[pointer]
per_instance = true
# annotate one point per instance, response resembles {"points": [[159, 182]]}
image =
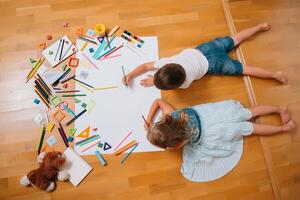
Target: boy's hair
{"points": [[169, 132], [170, 76]]}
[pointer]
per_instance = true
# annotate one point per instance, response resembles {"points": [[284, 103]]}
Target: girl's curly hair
{"points": [[169, 132]]}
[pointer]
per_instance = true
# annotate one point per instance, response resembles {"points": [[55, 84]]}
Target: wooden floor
{"points": [[178, 25]]}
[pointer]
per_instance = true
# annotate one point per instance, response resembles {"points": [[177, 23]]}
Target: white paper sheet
{"points": [[119, 110], [76, 166], [68, 49]]}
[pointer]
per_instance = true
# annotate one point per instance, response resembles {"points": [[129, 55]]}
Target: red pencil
{"points": [[145, 121]]}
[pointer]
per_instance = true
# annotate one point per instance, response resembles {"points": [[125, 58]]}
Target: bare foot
{"points": [[289, 126], [284, 114], [279, 76], [265, 26]]}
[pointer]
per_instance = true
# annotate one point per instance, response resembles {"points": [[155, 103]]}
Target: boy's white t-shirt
{"points": [[193, 62]]}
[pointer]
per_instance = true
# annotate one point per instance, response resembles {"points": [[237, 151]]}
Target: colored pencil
{"points": [[61, 77], [107, 39], [57, 49], [43, 82], [44, 147], [124, 76], [110, 41], [41, 139], [86, 88], [73, 95], [148, 125], [128, 154], [119, 47], [41, 92], [105, 58], [66, 80], [62, 48], [62, 135], [83, 46], [105, 53], [128, 134], [82, 142], [124, 148], [105, 88], [76, 117], [113, 31], [34, 69], [38, 81], [83, 83], [100, 158], [84, 38], [42, 98], [67, 91], [67, 51], [89, 147], [90, 61]]}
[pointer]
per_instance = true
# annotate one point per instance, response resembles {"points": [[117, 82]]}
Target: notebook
{"points": [[76, 166], [59, 51]]}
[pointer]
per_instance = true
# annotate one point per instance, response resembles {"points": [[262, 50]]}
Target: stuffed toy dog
{"points": [[48, 172]]}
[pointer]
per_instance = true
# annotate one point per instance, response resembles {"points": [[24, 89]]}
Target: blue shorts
{"points": [[218, 60]]}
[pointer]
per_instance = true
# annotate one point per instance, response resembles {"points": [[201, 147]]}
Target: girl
{"points": [[211, 134]]}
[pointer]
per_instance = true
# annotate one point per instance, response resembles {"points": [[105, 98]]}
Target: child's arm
{"points": [[156, 105], [138, 71]]}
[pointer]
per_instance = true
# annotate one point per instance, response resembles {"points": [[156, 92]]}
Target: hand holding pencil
{"points": [[126, 78]]}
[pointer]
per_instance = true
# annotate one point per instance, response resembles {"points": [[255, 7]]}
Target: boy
{"points": [[181, 70]]}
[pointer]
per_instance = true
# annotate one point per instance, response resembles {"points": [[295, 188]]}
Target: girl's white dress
{"points": [[218, 147]]}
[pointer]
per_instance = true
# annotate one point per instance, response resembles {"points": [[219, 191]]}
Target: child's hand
{"points": [[146, 127], [127, 80], [148, 82]]}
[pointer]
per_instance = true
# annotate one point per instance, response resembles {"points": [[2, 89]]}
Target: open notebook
{"points": [[76, 166]]}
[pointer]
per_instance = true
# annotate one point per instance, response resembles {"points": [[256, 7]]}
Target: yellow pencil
{"points": [[34, 69], [88, 89], [83, 46], [105, 88]]}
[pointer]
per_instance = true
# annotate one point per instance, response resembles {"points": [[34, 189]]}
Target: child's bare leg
{"points": [[264, 110], [262, 129], [262, 73], [246, 33]]}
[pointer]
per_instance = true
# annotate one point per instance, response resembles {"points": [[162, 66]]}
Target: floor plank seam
{"points": [[251, 96]]}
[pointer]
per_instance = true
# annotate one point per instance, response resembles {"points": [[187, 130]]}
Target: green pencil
{"points": [[41, 139], [73, 95]]}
